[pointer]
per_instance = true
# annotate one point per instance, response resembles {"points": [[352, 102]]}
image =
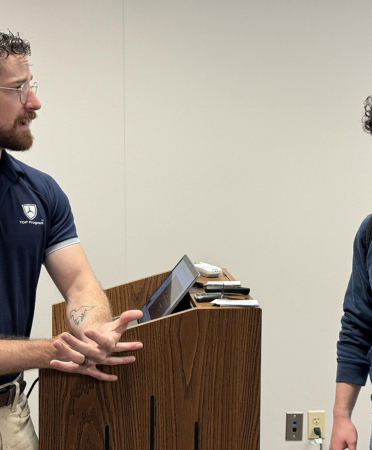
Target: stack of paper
{"points": [[234, 302]]}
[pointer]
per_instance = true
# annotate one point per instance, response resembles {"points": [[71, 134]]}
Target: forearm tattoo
{"points": [[78, 315]]}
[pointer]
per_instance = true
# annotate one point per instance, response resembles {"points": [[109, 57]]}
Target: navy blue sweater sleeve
{"points": [[354, 345]]}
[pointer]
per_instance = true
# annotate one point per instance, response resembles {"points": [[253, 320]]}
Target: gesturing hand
{"points": [[102, 342]]}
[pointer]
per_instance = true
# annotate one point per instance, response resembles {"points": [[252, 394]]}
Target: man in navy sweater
{"points": [[37, 227], [354, 349]]}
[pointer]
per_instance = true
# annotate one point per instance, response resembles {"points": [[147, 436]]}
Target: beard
{"points": [[13, 139]]}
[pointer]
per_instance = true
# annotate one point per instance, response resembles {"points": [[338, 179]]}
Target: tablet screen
{"points": [[170, 292]]}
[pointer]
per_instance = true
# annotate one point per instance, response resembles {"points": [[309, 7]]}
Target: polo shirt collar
{"points": [[10, 167]]}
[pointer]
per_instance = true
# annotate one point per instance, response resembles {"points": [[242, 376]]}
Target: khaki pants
{"points": [[16, 428]]}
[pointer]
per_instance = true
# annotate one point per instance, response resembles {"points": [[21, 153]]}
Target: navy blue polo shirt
{"points": [[35, 220]]}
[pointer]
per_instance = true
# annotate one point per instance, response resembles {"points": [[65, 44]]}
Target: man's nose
{"points": [[33, 103]]}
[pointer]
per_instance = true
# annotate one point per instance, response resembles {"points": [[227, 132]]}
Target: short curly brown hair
{"points": [[367, 118], [12, 43]]}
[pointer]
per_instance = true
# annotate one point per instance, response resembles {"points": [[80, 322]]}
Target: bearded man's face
{"points": [[15, 117]]}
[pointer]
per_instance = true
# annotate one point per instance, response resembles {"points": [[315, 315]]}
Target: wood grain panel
{"points": [[201, 365]]}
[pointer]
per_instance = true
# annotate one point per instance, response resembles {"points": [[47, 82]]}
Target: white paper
{"points": [[235, 302], [225, 283]]}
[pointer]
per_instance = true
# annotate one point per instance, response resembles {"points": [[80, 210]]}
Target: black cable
{"points": [[32, 386], [318, 432]]}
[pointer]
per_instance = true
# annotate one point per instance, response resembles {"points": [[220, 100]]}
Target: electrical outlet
{"points": [[315, 419], [294, 426]]}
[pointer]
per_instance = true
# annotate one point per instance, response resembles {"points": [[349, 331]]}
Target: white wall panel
{"points": [[244, 149]]}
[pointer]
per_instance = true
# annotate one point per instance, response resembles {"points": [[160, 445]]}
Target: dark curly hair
{"points": [[367, 118], [12, 43]]}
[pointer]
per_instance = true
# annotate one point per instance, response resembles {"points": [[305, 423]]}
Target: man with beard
{"points": [[37, 227]]}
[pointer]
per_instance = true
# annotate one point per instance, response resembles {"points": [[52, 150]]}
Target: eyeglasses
{"points": [[24, 90]]}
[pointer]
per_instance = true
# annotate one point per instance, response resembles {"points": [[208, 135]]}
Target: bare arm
{"points": [[89, 317], [87, 305], [17, 355], [344, 434], [70, 270], [90, 320]]}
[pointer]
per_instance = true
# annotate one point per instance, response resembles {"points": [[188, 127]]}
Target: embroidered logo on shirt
{"points": [[30, 211]]}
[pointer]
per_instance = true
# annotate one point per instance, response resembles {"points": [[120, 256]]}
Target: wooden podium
{"points": [[194, 386]]}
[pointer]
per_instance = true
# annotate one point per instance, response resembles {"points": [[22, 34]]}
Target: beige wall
{"points": [[237, 140], [244, 148]]}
